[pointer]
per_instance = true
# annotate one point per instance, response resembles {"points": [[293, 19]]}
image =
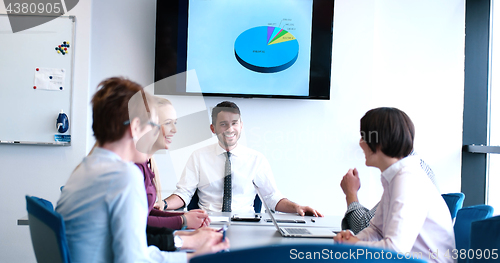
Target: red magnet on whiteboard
{"points": [[34, 87], [37, 69]]}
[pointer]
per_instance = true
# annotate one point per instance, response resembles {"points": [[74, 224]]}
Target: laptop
{"points": [[296, 231]]}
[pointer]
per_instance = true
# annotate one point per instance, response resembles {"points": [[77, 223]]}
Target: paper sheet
{"points": [[49, 79]]}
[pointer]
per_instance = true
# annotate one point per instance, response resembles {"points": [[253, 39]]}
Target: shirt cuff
{"points": [[369, 236], [273, 200]]}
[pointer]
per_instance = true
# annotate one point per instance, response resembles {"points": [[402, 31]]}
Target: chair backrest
{"points": [[485, 237], [310, 253], [193, 204], [454, 201], [462, 227], [48, 235], [257, 204]]}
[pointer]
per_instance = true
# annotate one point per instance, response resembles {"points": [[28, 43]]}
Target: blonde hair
{"points": [[156, 181], [162, 101]]}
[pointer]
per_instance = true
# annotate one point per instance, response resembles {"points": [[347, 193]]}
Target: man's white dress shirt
{"points": [[412, 215], [105, 209], [205, 171]]}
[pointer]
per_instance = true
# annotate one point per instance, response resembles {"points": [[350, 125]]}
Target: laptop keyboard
{"points": [[297, 231]]}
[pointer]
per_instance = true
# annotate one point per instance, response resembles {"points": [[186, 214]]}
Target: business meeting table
{"points": [[263, 233]]}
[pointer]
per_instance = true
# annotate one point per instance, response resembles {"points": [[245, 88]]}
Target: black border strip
{"points": [[475, 123]]}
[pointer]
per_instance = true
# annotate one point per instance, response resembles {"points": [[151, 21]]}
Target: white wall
{"points": [[123, 34], [41, 170], [406, 54]]}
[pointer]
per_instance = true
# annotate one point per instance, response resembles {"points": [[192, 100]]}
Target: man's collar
{"points": [[235, 151]]}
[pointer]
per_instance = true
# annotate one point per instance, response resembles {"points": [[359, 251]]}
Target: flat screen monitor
{"points": [[245, 48]]}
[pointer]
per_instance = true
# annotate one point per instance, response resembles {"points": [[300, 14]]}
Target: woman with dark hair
{"points": [[412, 215], [103, 204]]}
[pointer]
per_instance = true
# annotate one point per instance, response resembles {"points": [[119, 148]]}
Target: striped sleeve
{"points": [[357, 217]]}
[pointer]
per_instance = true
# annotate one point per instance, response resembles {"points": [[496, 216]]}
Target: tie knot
{"points": [[228, 154]]}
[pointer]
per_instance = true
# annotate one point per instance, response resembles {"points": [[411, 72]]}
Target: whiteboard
{"points": [[28, 115]]}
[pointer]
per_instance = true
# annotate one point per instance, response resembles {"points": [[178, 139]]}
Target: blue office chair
{"points": [[485, 236], [294, 252], [193, 204], [48, 235], [454, 201], [462, 227]]}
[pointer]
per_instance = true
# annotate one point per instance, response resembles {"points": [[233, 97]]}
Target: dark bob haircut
{"points": [[388, 129], [224, 106]]}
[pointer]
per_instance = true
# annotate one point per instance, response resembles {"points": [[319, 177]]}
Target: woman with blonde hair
{"points": [[103, 203], [161, 223]]}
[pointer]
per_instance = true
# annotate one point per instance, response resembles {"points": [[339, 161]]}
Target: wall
{"points": [[122, 43], [40, 170], [406, 54]]}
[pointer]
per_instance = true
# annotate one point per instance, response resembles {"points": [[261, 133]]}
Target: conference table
{"points": [[264, 233]]}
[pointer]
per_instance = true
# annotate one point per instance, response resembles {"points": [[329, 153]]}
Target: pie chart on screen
{"points": [[266, 49]]}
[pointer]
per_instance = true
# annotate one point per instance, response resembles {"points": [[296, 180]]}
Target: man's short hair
{"points": [[388, 129], [224, 106], [111, 109]]}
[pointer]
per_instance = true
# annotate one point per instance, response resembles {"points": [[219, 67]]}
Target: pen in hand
{"points": [[223, 229]]}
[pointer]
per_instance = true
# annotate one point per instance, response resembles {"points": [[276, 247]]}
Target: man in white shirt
{"points": [[207, 168]]}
